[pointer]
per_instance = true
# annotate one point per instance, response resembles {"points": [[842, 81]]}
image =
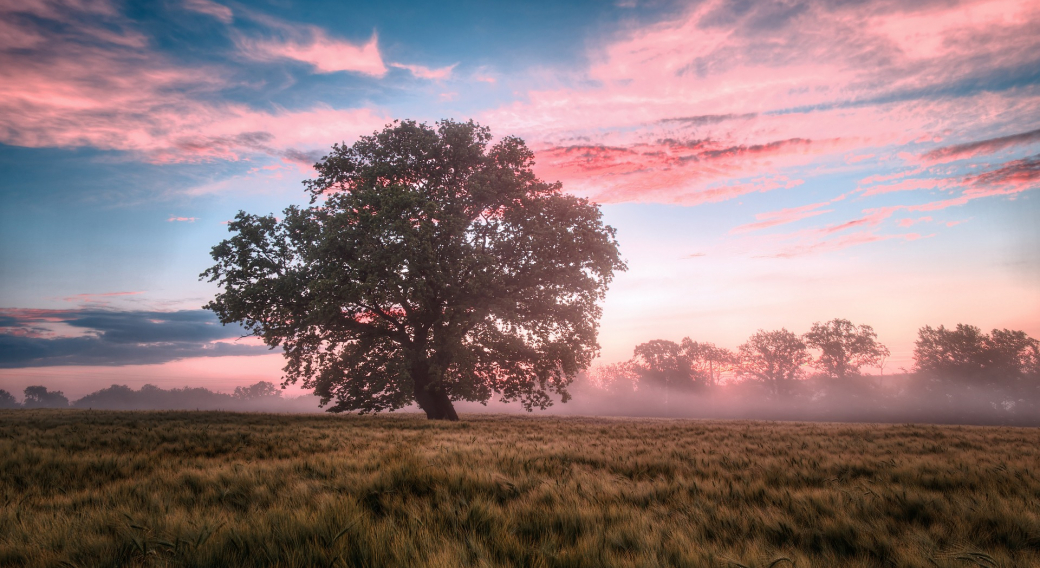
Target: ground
{"points": [[93, 488]]}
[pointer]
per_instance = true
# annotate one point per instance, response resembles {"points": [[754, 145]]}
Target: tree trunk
{"points": [[432, 400]]}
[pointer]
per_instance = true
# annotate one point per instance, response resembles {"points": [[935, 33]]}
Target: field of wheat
{"points": [[98, 488]]}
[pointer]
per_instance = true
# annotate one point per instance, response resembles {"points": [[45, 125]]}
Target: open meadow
{"points": [[101, 488]]}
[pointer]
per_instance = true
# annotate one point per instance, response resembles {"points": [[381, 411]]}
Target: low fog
{"points": [[900, 398], [961, 375], [263, 396]]}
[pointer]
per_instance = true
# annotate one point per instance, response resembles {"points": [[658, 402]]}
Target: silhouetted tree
{"points": [[1004, 359], [258, 391], [429, 267], [616, 378], [709, 362], [40, 397], [7, 400], [773, 357], [113, 398], [844, 347], [1013, 353], [663, 364]]}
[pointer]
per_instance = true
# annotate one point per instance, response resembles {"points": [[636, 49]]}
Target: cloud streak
{"points": [[209, 8], [784, 216], [316, 48], [981, 147], [438, 74], [109, 337]]}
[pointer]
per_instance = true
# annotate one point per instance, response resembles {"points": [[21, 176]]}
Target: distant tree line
{"points": [[262, 395], [959, 374], [954, 369]]}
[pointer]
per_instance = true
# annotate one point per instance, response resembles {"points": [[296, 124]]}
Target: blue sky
{"points": [[767, 164]]}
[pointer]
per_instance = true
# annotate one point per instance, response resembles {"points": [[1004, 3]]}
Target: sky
{"points": [[766, 164]]}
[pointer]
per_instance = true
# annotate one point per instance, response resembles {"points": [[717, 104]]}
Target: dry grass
{"points": [[89, 488]]}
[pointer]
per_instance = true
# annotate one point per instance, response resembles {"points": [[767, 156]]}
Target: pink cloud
{"points": [[1013, 177], [1009, 179], [844, 242], [784, 216], [750, 78], [981, 147], [873, 218], [906, 185], [878, 178], [327, 55], [687, 171], [96, 298], [937, 205], [908, 222], [113, 93], [173, 219], [427, 72]]}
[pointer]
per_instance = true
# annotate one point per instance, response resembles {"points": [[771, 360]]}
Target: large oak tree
{"points": [[431, 266]]}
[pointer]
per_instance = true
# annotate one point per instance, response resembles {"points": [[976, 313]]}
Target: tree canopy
{"points": [[684, 366], [664, 364], [773, 357], [431, 266], [708, 361], [258, 391], [40, 397], [1003, 358], [844, 347]]}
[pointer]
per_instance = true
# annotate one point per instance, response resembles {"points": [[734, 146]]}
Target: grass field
{"points": [[93, 488]]}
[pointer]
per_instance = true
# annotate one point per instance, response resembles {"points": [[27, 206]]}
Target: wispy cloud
{"points": [[1013, 177], [846, 241], [311, 45], [421, 72], [982, 147], [173, 219], [913, 184], [101, 298], [210, 8], [908, 222], [1008, 179], [784, 216]]}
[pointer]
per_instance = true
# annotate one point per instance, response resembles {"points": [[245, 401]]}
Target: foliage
{"points": [[844, 347], [774, 358], [960, 351], [1013, 353], [145, 490], [151, 397], [40, 397], [709, 361], [679, 367], [7, 400], [1003, 359], [615, 378], [258, 391], [663, 364], [431, 266]]}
